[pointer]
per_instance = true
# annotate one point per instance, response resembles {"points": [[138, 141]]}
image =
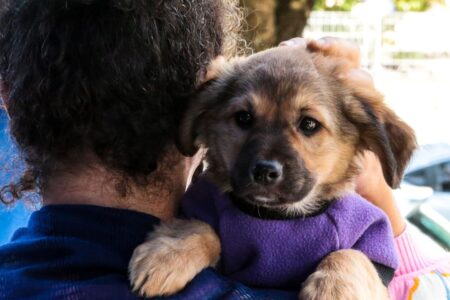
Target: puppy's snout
{"points": [[266, 172]]}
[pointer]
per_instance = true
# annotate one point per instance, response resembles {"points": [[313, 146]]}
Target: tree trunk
{"points": [[291, 18], [270, 22], [260, 30]]}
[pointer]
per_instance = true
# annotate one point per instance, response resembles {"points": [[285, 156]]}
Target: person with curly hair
{"points": [[94, 90]]}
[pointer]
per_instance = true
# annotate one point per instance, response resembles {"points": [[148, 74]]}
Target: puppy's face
{"points": [[283, 133]]}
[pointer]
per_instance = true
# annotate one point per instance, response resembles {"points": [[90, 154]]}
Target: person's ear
{"points": [[381, 131]]}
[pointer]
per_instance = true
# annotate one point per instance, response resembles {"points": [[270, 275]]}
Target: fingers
{"points": [[370, 172], [338, 48], [301, 42], [358, 77], [329, 46]]}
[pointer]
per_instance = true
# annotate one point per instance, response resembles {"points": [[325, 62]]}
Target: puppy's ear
{"points": [[204, 98], [381, 131], [402, 140], [191, 122]]}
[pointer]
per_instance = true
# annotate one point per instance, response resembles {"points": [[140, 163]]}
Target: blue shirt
{"points": [[82, 252]]}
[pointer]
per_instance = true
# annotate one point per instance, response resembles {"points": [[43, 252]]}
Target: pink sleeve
{"points": [[418, 276]]}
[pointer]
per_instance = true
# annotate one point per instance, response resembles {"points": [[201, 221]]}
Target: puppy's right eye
{"points": [[243, 119], [309, 126]]}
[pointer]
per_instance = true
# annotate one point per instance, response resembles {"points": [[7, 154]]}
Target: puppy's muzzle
{"points": [[266, 172]]}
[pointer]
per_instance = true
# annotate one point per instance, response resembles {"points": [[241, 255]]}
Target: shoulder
{"points": [[39, 268]]}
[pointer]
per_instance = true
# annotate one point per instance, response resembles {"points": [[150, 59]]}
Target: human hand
{"points": [[329, 46], [339, 49], [370, 183], [372, 186]]}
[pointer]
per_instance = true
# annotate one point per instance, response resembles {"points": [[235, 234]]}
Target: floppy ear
{"points": [[402, 140], [203, 99], [381, 131], [191, 122]]}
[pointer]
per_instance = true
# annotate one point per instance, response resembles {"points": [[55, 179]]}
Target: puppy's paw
{"points": [[344, 275], [171, 257]]}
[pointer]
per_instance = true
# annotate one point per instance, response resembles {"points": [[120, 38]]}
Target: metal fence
{"points": [[396, 39]]}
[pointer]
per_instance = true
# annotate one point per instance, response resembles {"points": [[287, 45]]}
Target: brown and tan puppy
{"points": [[283, 133]]}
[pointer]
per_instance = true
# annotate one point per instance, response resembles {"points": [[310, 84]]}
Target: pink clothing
{"points": [[419, 277]]}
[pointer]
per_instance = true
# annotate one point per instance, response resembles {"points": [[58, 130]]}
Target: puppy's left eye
{"points": [[243, 119], [309, 126]]}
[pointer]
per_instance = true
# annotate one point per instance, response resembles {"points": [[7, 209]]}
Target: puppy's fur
{"points": [[259, 109]]}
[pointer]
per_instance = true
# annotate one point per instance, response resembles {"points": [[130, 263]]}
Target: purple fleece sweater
{"points": [[282, 253]]}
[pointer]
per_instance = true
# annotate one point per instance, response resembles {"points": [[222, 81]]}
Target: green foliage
{"points": [[415, 5], [411, 5], [345, 5], [400, 5]]}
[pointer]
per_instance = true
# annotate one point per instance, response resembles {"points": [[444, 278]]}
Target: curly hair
{"points": [[109, 77]]}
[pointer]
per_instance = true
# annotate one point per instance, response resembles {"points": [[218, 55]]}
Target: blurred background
{"points": [[404, 45]]}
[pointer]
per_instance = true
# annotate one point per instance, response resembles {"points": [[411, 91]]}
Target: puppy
{"points": [[283, 135]]}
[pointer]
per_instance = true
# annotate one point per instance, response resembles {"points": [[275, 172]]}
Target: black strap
{"points": [[384, 272]]}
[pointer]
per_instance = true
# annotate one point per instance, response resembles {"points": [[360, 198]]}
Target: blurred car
{"points": [[430, 166], [424, 196], [432, 218], [410, 196], [428, 215]]}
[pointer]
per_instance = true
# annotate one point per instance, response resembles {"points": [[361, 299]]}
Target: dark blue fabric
{"points": [[82, 252]]}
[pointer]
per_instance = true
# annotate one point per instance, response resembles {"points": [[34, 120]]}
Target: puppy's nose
{"points": [[267, 172]]}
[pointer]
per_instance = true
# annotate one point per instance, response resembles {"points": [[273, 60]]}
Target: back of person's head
{"points": [[103, 77]]}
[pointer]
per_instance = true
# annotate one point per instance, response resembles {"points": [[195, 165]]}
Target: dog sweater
{"points": [[282, 253]]}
